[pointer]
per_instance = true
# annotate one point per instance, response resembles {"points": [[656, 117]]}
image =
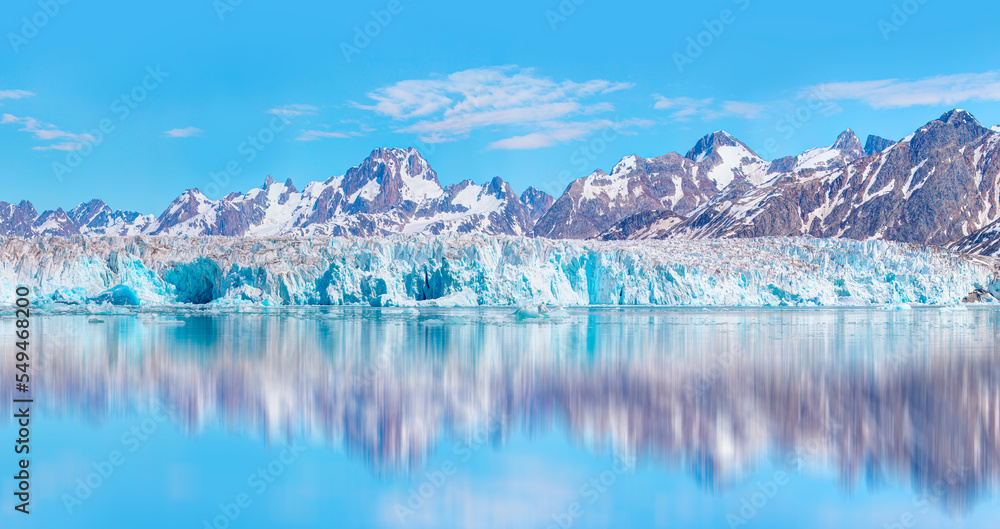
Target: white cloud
{"points": [[449, 108], [944, 90], [685, 108], [15, 94], [66, 141], [312, 135], [183, 133], [558, 132], [742, 109], [293, 110]]}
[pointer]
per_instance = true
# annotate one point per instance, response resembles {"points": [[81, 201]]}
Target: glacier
{"points": [[479, 270]]}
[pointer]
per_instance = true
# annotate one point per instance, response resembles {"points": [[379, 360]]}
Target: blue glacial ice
{"points": [[472, 270]]}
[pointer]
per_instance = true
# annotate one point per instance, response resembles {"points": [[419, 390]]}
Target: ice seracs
{"points": [[487, 270]]}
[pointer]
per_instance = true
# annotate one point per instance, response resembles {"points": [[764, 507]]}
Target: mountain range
{"points": [[937, 186], [392, 191]]}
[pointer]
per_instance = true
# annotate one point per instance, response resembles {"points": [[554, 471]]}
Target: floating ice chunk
{"points": [[152, 319], [119, 296], [73, 296], [540, 311], [898, 306], [464, 298]]}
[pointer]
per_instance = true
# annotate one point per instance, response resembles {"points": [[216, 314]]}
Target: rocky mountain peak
{"points": [[849, 143], [712, 142], [876, 144], [84, 212], [538, 202], [626, 165], [959, 117]]}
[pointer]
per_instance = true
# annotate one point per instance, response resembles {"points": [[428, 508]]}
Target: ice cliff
{"points": [[471, 270]]}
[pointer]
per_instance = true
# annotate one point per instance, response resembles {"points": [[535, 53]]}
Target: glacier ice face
{"points": [[473, 270]]}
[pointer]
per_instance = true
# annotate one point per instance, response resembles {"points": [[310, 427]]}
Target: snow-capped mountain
{"points": [[938, 186], [845, 150], [934, 187], [592, 204], [89, 218], [984, 241], [652, 224], [722, 158], [392, 191]]}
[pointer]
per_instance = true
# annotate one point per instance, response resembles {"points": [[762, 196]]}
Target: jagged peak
{"points": [[626, 165], [533, 192], [848, 141], [710, 142], [959, 117], [397, 153], [876, 144], [269, 181]]}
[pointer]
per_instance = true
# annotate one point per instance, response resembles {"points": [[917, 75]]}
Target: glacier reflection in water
{"points": [[908, 398]]}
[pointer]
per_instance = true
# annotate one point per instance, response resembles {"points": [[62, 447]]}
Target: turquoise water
{"points": [[474, 418]]}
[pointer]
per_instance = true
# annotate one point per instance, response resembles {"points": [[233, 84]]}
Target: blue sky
{"points": [[512, 89]]}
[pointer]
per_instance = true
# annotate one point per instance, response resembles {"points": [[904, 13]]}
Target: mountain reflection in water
{"points": [[905, 397]]}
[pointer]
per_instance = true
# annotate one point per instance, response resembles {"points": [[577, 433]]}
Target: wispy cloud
{"points": [[186, 132], [932, 91], [65, 141], [448, 108], [313, 135], [558, 132], [354, 129], [15, 94], [686, 108], [293, 110]]}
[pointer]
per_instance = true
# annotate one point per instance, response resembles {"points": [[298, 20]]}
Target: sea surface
{"points": [[466, 418]]}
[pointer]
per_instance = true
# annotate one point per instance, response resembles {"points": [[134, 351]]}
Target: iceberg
{"points": [[477, 270]]}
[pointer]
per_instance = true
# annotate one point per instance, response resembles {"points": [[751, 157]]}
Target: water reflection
{"points": [[907, 397]]}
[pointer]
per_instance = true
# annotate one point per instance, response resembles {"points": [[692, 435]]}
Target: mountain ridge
{"points": [[937, 186]]}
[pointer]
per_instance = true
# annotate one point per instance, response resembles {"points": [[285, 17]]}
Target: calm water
{"points": [[471, 418]]}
